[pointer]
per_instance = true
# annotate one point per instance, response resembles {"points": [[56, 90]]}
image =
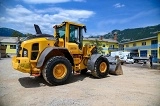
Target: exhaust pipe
{"points": [[37, 29]]}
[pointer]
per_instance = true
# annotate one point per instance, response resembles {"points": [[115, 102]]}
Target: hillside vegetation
{"points": [[134, 34], [7, 32], [123, 35]]}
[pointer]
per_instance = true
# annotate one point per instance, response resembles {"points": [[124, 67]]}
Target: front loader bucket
{"points": [[115, 69], [112, 67]]}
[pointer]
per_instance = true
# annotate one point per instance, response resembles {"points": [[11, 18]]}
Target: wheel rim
{"points": [[59, 71], [103, 67]]}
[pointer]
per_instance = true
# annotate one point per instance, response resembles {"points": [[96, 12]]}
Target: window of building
{"points": [[143, 43], [127, 45], [111, 46], [143, 53], [134, 44], [4, 45], [154, 42], [12, 46], [154, 54], [122, 46]]}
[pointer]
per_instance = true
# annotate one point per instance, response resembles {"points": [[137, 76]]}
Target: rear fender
{"points": [[49, 50]]}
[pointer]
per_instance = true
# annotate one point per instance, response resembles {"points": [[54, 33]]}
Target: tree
{"points": [[98, 44], [16, 34], [28, 35]]}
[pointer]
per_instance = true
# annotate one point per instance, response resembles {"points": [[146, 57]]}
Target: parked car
{"points": [[129, 60]]}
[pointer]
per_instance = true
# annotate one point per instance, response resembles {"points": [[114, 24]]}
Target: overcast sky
{"points": [[100, 16]]}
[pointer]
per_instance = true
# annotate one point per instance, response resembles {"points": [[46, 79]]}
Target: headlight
{"points": [[25, 53]]}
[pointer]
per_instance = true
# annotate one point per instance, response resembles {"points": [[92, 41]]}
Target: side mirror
{"points": [[85, 29]]}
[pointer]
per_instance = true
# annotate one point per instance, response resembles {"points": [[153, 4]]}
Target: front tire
{"points": [[57, 70], [102, 67]]}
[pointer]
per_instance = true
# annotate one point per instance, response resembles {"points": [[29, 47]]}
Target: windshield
{"points": [[129, 57], [61, 31]]}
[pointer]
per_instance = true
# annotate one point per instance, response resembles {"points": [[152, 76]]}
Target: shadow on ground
{"points": [[33, 82], [78, 77]]}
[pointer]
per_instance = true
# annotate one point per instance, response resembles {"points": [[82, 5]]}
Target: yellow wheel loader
{"points": [[56, 57]]}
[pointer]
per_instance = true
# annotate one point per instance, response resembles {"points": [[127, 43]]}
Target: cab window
{"points": [[61, 31], [73, 33]]}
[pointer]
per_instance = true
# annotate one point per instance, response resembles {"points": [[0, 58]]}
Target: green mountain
{"points": [[134, 34], [7, 32]]}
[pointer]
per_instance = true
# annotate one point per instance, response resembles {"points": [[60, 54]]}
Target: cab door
{"points": [[74, 43]]}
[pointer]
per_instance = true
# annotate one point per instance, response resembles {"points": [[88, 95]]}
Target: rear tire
{"points": [[57, 70], [102, 67]]}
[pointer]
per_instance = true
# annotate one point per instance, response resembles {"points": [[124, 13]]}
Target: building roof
{"points": [[8, 39], [106, 40], [157, 32], [139, 40]]}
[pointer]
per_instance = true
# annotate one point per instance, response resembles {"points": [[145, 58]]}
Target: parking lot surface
{"points": [[139, 86]]}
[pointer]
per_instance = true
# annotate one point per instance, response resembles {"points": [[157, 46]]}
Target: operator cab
{"points": [[73, 35]]}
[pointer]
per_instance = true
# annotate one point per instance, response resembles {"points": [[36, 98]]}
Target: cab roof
{"points": [[69, 22]]}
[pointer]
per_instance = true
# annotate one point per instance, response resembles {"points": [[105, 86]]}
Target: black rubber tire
{"points": [[47, 72], [40, 76], [135, 61], [84, 71], [97, 65]]}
